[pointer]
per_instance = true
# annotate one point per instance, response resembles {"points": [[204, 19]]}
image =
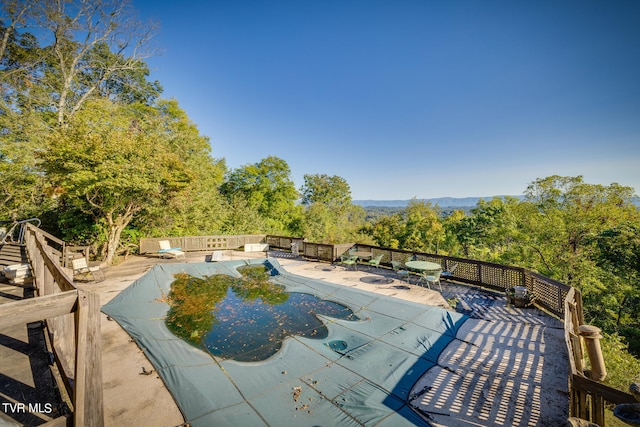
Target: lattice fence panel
{"points": [[213, 243], [467, 271], [500, 277], [325, 253], [279, 242], [549, 293]]}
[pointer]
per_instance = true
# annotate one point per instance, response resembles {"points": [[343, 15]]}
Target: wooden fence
{"points": [[200, 243], [72, 325], [549, 294]]}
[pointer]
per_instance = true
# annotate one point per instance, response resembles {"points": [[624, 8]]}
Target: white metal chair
{"points": [[82, 270], [447, 275]]}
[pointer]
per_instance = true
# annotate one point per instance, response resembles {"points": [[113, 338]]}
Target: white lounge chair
{"points": [[167, 251]]}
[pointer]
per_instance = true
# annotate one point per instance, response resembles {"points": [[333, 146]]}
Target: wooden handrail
{"points": [[72, 319], [37, 309]]}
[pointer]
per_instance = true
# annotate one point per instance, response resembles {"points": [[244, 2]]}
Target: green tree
{"points": [[24, 190], [322, 188], [386, 231], [22, 185], [330, 217], [267, 188], [113, 161], [78, 51], [565, 214], [454, 242], [618, 257], [574, 232], [198, 208], [423, 230], [98, 50]]}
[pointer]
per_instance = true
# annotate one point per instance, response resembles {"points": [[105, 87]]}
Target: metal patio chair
{"points": [[82, 270], [399, 269], [348, 260], [431, 278]]}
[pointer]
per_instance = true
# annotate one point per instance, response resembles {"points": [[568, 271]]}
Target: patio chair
{"points": [[348, 260], [82, 270], [447, 275], [166, 251], [375, 261], [431, 277], [400, 270]]}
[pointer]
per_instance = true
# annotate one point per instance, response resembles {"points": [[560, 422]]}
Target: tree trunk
{"points": [[113, 240], [115, 224]]}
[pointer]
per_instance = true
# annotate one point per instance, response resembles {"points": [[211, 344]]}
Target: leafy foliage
{"points": [[330, 216], [265, 187], [322, 188], [622, 367], [139, 158]]}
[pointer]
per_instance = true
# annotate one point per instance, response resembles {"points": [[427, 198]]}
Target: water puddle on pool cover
{"points": [[245, 319]]}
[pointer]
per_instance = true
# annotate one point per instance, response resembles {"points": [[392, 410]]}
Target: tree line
{"points": [[88, 144]]}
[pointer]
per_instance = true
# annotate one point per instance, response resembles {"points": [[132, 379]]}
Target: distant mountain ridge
{"points": [[443, 202]]}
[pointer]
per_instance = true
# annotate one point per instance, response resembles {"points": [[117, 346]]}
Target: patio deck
{"points": [[508, 366]]}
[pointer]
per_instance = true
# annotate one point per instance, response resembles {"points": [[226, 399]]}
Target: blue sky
{"points": [[411, 98]]}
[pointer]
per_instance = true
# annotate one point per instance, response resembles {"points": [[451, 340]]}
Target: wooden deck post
{"points": [[88, 399]]}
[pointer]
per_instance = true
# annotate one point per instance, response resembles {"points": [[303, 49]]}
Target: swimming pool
{"points": [[360, 373]]}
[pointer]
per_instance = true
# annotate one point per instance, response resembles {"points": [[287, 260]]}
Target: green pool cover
{"points": [[360, 374]]}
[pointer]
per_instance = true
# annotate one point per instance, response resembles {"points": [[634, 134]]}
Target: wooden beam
{"points": [[57, 422], [88, 398], [64, 282], [39, 308], [609, 394]]}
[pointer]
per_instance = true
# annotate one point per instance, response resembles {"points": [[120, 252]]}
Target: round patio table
{"points": [[423, 265]]}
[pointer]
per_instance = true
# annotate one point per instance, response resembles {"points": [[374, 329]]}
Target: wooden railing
{"points": [[588, 398], [72, 326], [549, 294], [200, 243]]}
